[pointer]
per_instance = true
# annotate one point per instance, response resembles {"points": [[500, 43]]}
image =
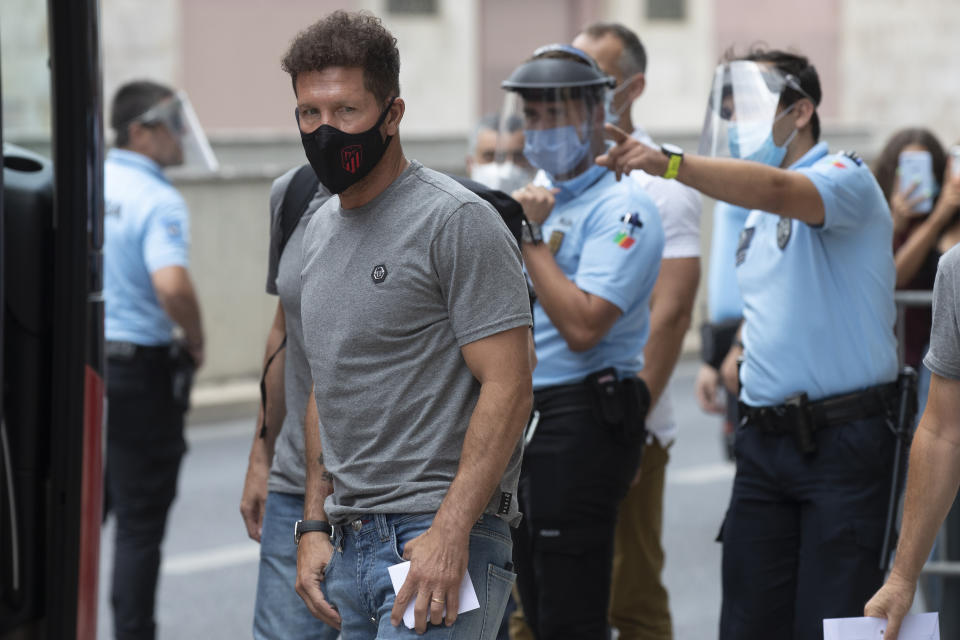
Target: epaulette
{"points": [[853, 155]]}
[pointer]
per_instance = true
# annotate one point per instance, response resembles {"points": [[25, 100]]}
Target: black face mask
{"points": [[341, 159]]}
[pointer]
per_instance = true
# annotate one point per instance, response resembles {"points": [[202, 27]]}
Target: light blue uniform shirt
{"points": [[724, 301], [146, 228], [818, 301], [606, 257]]}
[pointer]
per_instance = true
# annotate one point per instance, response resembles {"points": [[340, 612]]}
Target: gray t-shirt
{"points": [[288, 471], [943, 358], [391, 291]]}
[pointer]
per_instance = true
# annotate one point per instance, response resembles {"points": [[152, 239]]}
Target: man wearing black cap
{"points": [[592, 250]]}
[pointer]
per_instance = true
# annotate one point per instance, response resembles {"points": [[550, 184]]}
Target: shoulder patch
{"points": [[853, 155], [631, 221]]}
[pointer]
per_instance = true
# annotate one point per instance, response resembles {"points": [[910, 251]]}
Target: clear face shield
{"points": [[178, 116], [562, 127], [498, 160], [742, 111]]}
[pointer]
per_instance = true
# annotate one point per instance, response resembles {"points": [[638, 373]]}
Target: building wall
{"points": [[900, 64], [680, 61], [510, 31], [24, 70], [140, 41]]}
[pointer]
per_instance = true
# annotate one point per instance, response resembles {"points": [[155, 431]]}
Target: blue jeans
{"points": [[279, 613], [358, 585]]}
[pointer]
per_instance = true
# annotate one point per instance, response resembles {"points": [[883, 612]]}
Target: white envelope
{"points": [[468, 595], [922, 626]]}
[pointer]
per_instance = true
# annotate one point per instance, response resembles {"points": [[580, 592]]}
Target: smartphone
{"points": [[916, 167], [955, 160]]}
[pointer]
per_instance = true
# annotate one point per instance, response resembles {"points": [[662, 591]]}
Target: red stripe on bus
{"points": [[91, 505]]}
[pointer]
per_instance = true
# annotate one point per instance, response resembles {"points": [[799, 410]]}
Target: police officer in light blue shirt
{"points": [[147, 291], [814, 446], [607, 257], [836, 266], [592, 249], [147, 229]]}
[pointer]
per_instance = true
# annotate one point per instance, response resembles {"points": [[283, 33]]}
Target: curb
{"points": [[235, 399]]}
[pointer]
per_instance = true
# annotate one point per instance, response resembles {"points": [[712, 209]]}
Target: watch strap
{"points": [[675, 157], [530, 232], [306, 526]]}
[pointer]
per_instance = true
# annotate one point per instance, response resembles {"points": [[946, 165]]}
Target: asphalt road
{"points": [[209, 571]]}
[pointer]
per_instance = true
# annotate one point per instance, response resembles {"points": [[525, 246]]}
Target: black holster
{"points": [[182, 370], [620, 405]]}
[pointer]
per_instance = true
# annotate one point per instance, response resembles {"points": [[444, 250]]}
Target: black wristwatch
{"points": [[306, 526], [675, 155], [530, 232]]}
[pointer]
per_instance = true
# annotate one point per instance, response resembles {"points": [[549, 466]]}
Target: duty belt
{"points": [[129, 350], [802, 418]]}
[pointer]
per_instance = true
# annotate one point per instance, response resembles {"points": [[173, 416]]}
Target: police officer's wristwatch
{"points": [[675, 155], [530, 232], [306, 526]]}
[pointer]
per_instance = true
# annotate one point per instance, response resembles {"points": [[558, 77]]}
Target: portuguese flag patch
{"points": [[624, 240]]}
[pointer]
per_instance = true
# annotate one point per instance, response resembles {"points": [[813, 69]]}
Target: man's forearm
{"points": [[495, 428], [754, 186], [671, 309], [934, 475], [184, 309], [319, 482], [571, 310]]}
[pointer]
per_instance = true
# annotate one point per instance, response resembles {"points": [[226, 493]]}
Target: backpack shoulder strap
{"points": [[300, 191]]}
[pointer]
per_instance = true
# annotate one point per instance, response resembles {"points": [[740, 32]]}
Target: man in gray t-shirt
{"points": [[276, 463], [416, 321], [935, 453]]}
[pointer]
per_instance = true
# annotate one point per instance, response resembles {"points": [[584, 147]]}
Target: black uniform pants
{"points": [[802, 536], [144, 447], [575, 472]]}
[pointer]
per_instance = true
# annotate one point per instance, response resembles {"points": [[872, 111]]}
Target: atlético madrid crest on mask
{"points": [[351, 157]]}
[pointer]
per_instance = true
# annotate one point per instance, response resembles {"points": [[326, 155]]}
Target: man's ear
{"points": [[805, 111], [394, 116], [138, 136]]}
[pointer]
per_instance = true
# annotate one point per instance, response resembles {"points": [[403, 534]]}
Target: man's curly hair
{"points": [[347, 39]]}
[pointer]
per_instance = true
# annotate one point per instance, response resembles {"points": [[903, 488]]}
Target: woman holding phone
{"points": [[919, 239], [926, 219]]}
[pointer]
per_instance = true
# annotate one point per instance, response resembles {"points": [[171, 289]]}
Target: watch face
{"points": [[672, 149]]}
